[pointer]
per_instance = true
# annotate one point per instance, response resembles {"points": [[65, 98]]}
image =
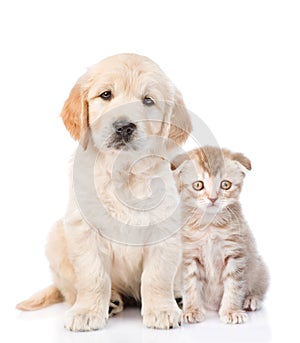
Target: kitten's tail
{"points": [[48, 296]]}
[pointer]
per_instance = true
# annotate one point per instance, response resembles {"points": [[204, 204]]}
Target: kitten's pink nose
{"points": [[213, 200]]}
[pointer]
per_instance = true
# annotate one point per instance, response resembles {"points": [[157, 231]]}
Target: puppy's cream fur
{"points": [[88, 269]]}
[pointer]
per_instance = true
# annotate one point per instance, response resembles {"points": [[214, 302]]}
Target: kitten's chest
{"points": [[212, 253]]}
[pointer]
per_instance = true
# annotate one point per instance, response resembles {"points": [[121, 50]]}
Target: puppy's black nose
{"points": [[124, 128]]}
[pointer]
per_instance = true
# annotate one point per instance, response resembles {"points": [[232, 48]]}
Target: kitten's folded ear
{"points": [[242, 159], [176, 166], [178, 161]]}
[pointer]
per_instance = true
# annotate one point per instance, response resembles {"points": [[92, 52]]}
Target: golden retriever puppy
{"points": [[120, 231]]}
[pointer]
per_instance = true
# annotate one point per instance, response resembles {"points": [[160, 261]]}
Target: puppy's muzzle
{"points": [[124, 129]]}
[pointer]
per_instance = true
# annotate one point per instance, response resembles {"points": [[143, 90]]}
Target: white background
{"points": [[237, 64]]}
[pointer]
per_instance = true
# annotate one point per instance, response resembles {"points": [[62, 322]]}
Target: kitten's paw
{"points": [[84, 320], [233, 317], [252, 304], [194, 316], [163, 319], [116, 304]]}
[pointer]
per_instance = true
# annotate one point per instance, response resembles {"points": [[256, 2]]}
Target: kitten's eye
{"points": [[225, 184], [198, 185], [148, 101], [106, 95]]}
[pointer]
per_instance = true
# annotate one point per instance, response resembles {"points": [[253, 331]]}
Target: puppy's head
{"points": [[124, 100]]}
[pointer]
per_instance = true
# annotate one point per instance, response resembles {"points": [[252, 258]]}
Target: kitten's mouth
{"points": [[213, 208]]}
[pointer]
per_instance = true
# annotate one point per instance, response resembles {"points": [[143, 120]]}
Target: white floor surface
{"points": [[47, 326]]}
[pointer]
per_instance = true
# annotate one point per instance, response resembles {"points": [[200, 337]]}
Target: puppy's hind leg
{"points": [[178, 286], [63, 274], [116, 304], [93, 284]]}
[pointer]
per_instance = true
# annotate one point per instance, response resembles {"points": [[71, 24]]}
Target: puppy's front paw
{"points": [[84, 320], [233, 317], [194, 315], [163, 319]]}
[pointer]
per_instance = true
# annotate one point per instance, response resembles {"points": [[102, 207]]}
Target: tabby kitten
{"points": [[222, 269]]}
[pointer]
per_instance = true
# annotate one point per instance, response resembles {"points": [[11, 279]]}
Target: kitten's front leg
{"points": [[90, 310], [193, 284], [231, 310]]}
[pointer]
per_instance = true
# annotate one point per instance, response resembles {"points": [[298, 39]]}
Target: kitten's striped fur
{"points": [[222, 269]]}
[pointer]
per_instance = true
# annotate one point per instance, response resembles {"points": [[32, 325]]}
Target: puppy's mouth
{"points": [[124, 136], [120, 143]]}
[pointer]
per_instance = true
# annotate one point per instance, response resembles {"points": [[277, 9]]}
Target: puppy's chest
{"points": [[132, 199]]}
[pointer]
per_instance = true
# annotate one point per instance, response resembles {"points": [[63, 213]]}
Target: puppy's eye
{"points": [[225, 184], [106, 95], [198, 185], [148, 101]]}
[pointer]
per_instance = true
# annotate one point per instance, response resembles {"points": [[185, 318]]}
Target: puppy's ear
{"points": [[75, 114], [180, 126]]}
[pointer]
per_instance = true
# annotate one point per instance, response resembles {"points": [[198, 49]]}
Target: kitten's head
{"points": [[210, 178]]}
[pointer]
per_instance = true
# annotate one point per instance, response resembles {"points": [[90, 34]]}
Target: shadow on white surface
{"points": [[47, 326]]}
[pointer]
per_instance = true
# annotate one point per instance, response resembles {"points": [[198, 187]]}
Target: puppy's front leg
{"points": [[159, 308], [93, 284]]}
